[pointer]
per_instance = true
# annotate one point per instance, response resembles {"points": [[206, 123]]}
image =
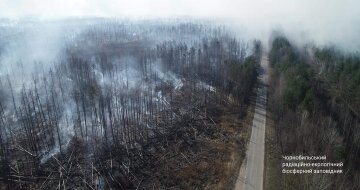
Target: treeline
{"points": [[340, 74], [113, 112], [219, 61], [312, 98]]}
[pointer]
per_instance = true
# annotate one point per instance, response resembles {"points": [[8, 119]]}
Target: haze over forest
{"points": [[168, 94], [323, 21]]}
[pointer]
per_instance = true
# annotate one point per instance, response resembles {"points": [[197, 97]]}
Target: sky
{"points": [[323, 21]]}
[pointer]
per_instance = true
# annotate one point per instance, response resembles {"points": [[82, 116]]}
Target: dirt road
{"points": [[252, 169]]}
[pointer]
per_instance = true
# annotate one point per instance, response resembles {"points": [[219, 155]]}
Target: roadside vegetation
{"points": [[314, 103]]}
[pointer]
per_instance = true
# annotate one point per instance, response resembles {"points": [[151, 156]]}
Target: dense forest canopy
{"points": [[314, 100]]}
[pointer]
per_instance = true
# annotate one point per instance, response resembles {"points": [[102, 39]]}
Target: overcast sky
{"points": [[324, 20]]}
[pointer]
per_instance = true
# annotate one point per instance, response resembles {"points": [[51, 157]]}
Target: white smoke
{"points": [[322, 21]]}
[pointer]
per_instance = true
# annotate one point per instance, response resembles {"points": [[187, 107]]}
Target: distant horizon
{"points": [[324, 21]]}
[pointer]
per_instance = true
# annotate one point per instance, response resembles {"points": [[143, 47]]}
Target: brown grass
{"points": [[234, 149], [272, 174]]}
